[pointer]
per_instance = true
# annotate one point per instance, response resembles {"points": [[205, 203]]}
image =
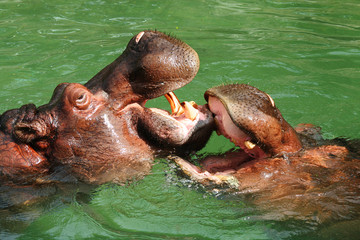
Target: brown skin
{"points": [[287, 173], [99, 131], [255, 113]]}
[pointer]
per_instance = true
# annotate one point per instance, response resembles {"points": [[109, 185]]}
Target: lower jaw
{"points": [[204, 177], [227, 163], [216, 170]]}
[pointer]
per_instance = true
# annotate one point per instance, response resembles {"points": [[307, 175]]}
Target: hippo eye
{"points": [[82, 100]]}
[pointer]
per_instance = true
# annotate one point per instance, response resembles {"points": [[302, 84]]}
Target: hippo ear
{"points": [[28, 131]]}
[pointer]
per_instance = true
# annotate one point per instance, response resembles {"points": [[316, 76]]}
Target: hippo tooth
{"points": [[190, 112], [193, 104], [249, 145], [176, 108], [139, 36]]}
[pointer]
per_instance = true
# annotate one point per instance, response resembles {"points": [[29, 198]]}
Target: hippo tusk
{"points": [[176, 108], [190, 112], [249, 145]]}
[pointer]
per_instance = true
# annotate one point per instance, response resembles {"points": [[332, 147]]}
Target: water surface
{"points": [[305, 54]]}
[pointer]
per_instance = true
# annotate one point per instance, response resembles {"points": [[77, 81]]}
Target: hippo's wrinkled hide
{"points": [[286, 172], [99, 131]]}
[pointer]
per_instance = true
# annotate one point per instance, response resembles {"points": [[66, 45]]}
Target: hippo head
{"points": [[152, 64], [81, 132], [102, 131], [281, 176], [249, 118]]}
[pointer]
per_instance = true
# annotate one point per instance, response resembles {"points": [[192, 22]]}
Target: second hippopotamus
{"points": [[288, 172], [101, 131]]}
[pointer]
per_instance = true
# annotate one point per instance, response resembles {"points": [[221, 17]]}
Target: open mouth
{"points": [[184, 125], [186, 114], [250, 148], [219, 169], [226, 126], [249, 118]]}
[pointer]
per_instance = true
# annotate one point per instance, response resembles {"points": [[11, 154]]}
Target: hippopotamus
{"points": [[101, 131], [289, 172]]}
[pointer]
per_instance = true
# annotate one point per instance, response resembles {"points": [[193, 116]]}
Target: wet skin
{"points": [[101, 131], [287, 172]]}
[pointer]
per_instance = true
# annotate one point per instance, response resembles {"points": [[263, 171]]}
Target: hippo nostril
{"points": [[139, 36]]}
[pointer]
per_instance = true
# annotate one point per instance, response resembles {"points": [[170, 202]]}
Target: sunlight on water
{"points": [[305, 54]]}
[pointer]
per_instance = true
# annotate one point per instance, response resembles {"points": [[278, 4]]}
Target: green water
{"points": [[305, 54]]}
